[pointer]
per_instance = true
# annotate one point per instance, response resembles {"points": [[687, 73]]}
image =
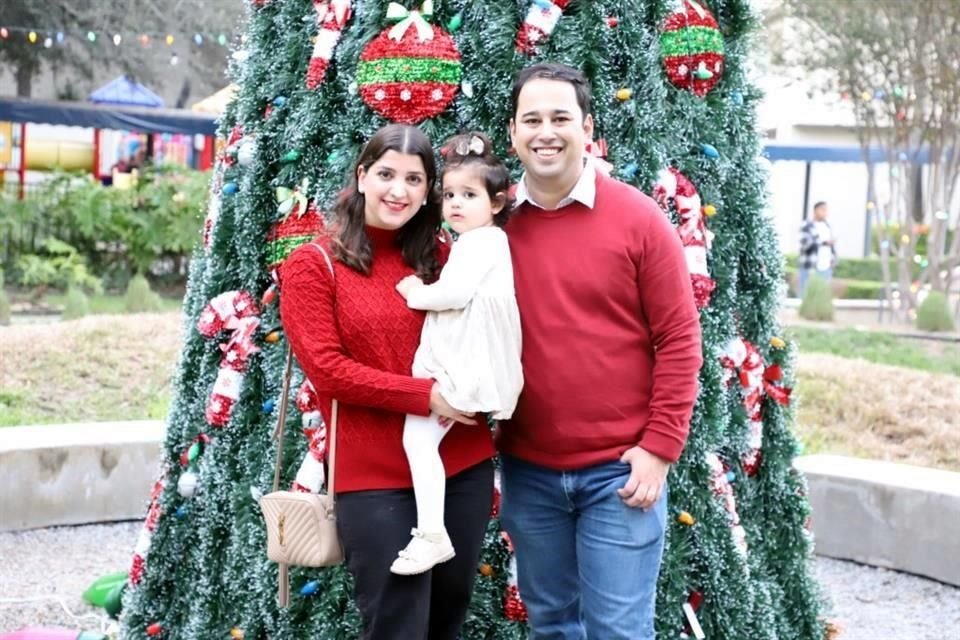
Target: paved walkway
{"points": [[52, 564]]}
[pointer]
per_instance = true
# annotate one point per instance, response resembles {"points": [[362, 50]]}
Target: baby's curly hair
{"points": [[474, 151]]}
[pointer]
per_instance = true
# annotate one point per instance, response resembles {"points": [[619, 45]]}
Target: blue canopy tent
{"points": [[126, 92], [123, 91], [101, 116]]}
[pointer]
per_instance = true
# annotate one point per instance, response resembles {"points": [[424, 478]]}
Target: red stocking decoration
{"points": [[541, 20]]}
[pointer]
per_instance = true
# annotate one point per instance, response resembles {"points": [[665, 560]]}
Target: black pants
{"points": [[375, 525]]}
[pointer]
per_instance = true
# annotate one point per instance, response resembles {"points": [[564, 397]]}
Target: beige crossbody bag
{"points": [[301, 527]]}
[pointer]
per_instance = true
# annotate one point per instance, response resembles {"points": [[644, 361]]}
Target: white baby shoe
{"points": [[424, 551]]}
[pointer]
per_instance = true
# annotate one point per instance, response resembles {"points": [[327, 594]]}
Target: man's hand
{"points": [[648, 474], [408, 284]]}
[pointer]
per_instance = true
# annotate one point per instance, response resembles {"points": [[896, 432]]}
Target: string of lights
{"points": [[51, 37]]}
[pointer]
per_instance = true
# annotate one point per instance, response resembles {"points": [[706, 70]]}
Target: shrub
{"points": [[933, 314], [861, 268], [76, 305], [113, 230], [817, 301], [139, 297], [60, 266], [861, 290]]}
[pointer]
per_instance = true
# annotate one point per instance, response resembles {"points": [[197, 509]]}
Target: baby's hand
{"points": [[408, 284]]}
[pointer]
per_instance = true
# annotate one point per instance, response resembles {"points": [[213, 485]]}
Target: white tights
{"points": [[421, 442]]}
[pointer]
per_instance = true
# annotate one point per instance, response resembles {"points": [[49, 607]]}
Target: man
{"points": [[817, 253], [611, 352]]}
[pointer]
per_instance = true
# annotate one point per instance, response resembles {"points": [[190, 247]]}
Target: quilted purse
{"points": [[301, 527]]}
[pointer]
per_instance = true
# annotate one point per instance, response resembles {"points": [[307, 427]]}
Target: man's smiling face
{"points": [[549, 131]]}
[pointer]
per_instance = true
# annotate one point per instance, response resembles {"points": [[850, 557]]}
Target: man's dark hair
{"points": [[558, 72], [822, 203]]}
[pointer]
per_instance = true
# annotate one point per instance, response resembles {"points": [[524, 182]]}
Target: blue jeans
{"points": [[587, 564]]}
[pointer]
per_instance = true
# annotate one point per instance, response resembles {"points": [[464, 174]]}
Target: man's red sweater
{"points": [[611, 334], [355, 338]]}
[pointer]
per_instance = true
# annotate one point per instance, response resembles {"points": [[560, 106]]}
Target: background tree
{"points": [[898, 65], [77, 57], [675, 116]]}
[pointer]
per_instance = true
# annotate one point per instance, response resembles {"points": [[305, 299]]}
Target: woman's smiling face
{"points": [[394, 189]]}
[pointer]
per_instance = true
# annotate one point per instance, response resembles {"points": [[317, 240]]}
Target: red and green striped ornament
{"points": [[691, 47], [300, 222], [411, 71]]}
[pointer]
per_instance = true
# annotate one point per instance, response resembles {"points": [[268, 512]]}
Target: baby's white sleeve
{"points": [[471, 259]]}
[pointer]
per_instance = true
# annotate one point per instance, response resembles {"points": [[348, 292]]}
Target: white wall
{"points": [[842, 185]]}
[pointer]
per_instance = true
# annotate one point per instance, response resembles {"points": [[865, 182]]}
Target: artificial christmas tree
{"points": [[736, 563]]}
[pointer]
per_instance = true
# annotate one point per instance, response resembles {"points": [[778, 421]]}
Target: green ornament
{"points": [[455, 22], [194, 452], [114, 601], [96, 594], [291, 156]]}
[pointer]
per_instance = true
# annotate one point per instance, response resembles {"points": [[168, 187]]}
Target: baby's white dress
{"points": [[470, 343]]}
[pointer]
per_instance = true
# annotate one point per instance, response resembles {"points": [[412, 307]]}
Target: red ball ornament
{"points": [[691, 46], [410, 72]]}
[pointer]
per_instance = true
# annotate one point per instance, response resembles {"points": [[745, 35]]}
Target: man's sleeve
{"points": [[667, 300]]}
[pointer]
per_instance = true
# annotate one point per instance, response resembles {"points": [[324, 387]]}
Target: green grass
{"points": [[115, 367], [110, 304], [881, 348], [13, 408]]}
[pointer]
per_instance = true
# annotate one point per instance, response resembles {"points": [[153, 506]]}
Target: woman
{"points": [[355, 338]]}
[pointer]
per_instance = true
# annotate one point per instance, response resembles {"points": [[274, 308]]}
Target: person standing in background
{"points": [[817, 252]]}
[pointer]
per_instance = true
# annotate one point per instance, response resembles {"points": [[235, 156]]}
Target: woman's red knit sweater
{"points": [[355, 338]]}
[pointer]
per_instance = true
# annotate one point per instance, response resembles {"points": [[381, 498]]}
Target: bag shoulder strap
{"points": [[283, 575], [282, 414]]}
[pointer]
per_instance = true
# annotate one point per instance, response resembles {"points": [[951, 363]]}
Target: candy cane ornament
{"points": [[675, 190], [332, 16]]}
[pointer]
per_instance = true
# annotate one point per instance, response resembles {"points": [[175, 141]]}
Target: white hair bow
{"points": [[475, 145]]}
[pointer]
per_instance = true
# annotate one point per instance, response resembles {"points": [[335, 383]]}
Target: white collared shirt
{"points": [[584, 192]]}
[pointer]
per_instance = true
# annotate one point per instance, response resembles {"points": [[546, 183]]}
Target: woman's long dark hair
{"points": [[418, 237]]}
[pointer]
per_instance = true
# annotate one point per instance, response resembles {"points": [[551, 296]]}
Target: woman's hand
{"points": [[448, 415], [408, 284]]}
